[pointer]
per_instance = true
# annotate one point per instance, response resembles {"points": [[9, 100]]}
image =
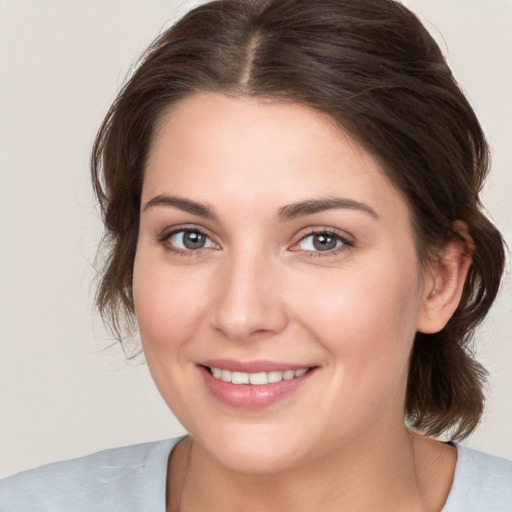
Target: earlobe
{"points": [[445, 281]]}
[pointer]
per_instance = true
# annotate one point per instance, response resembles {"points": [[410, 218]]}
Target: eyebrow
{"points": [[288, 212], [309, 207], [186, 205]]}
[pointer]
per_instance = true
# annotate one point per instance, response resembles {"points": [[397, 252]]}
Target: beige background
{"points": [[62, 392]]}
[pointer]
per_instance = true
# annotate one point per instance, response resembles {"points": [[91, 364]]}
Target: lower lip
{"points": [[247, 396]]}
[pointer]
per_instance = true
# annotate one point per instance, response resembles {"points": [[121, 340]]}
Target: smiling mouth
{"points": [[257, 378], [253, 385]]}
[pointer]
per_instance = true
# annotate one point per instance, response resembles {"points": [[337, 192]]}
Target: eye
{"points": [[189, 240], [322, 241]]}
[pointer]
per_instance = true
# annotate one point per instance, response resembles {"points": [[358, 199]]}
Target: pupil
{"points": [[193, 240], [324, 242]]}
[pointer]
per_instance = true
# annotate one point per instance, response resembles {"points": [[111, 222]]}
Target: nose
{"points": [[249, 303]]}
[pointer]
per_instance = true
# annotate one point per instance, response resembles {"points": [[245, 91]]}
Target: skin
{"points": [[259, 290]]}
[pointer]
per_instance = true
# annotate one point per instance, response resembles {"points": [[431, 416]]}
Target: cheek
{"points": [[364, 317], [367, 326], [168, 305]]}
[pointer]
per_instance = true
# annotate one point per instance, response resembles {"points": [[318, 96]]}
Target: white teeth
{"points": [[240, 378], [274, 377], [217, 372], [256, 379], [226, 375]]}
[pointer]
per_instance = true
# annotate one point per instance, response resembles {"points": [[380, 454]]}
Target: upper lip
{"points": [[252, 366]]}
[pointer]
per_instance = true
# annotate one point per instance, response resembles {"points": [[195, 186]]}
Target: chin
{"points": [[253, 449]]}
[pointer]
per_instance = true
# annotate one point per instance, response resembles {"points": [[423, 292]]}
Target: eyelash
{"points": [[346, 243], [164, 239]]}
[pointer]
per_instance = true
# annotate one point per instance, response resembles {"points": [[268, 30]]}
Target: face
{"points": [[276, 283]]}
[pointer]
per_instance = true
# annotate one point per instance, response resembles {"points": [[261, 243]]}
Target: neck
{"points": [[391, 474]]}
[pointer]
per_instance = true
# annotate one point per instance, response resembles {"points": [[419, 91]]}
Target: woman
{"points": [[290, 193]]}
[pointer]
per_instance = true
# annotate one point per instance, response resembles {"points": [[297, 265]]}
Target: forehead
{"points": [[246, 151]]}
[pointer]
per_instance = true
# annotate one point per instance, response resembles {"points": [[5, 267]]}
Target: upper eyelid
{"points": [[347, 238], [165, 236], [329, 233], [343, 235], [348, 242], [169, 231]]}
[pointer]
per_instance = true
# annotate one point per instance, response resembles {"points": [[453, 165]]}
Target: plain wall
{"points": [[63, 393]]}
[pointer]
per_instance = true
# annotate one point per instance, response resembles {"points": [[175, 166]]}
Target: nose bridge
{"points": [[249, 302]]}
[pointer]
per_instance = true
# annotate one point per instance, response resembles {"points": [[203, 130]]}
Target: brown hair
{"points": [[373, 68]]}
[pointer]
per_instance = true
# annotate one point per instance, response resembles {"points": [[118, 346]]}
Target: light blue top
{"points": [[133, 479]]}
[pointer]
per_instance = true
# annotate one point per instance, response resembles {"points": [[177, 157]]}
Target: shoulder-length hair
{"points": [[372, 67]]}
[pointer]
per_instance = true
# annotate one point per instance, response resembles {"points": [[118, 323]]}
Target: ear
{"points": [[444, 281]]}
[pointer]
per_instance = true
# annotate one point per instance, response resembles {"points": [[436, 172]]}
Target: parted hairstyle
{"points": [[372, 67]]}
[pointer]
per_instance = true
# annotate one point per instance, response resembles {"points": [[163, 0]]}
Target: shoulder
{"points": [[110, 480], [481, 483]]}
